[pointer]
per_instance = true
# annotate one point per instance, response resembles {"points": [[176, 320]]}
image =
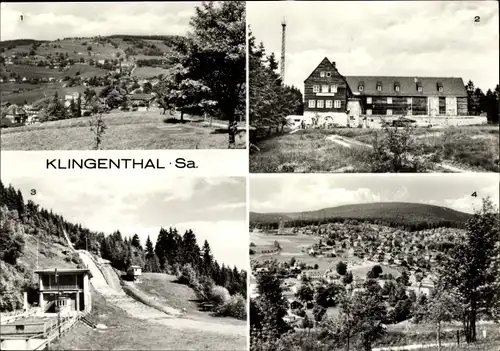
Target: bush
{"points": [[219, 295], [235, 307]]}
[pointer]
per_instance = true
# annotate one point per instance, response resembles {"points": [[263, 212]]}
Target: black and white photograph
{"points": [[123, 75], [123, 263], [374, 262], [373, 86]]}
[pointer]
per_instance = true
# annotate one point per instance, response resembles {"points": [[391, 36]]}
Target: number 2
{"points": [[477, 19]]}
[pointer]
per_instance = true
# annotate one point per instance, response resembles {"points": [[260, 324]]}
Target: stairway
{"points": [[88, 319]]}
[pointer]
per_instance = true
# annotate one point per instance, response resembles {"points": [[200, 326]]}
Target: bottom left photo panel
{"points": [[123, 262]]}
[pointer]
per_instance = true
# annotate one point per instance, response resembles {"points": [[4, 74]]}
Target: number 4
{"points": [[474, 194]]}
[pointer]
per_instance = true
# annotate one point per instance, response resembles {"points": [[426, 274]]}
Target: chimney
{"points": [[333, 64]]}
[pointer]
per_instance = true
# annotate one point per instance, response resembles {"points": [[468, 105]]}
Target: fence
{"points": [[7, 317]]}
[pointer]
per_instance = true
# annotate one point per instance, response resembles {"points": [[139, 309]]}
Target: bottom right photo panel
{"points": [[374, 262]]}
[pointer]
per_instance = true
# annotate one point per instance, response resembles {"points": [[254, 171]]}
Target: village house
{"points": [[16, 114], [66, 289], [141, 101], [341, 100]]}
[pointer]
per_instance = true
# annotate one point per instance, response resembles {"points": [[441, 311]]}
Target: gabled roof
{"points": [[15, 110], [325, 60], [408, 86]]}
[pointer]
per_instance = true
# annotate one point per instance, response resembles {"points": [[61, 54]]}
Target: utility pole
{"points": [[57, 303]]}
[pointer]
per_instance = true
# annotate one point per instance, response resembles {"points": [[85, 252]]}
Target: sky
{"points": [[393, 38], [274, 193], [214, 208], [50, 21]]}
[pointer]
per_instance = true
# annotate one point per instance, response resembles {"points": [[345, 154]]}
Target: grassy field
{"points": [[32, 93], [179, 296], [126, 131], [126, 333], [468, 148], [148, 72]]}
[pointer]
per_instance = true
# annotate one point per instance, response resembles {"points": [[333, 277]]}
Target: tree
{"points": [[305, 293], [136, 242], [397, 150], [319, 312], [376, 271], [471, 267], [361, 315], [97, 125], [441, 307], [341, 268], [215, 55], [348, 278]]}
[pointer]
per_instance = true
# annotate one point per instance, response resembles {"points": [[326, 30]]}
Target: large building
{"points": [[343, 99]]}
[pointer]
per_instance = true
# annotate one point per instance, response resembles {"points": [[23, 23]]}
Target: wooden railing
{"points": [[6, 317]]}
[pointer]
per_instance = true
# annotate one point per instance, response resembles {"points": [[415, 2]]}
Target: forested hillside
{"points": [[173, 253], [411, 216]]}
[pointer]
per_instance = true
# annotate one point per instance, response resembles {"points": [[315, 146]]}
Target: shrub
{"points": [[235, 307], [219, 295], [187, 275]]}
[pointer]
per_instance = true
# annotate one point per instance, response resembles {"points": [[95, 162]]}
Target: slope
{"points": [[402, 213]]}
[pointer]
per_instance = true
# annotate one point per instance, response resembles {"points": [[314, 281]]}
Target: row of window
{"points": [[324, 104], [324, 74], [361, 87], [389, 100], [324, 88]]}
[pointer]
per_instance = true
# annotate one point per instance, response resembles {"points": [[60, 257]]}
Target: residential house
{"points": [[16, 114]]}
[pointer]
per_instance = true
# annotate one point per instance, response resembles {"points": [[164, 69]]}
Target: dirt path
{"points": [[348, 142], [141, 311]]}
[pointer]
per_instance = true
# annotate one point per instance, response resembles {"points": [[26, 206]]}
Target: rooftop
{"points": [[63, 271]]}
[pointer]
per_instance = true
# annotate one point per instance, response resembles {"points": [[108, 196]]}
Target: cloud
{"points": [[302, 194], [49, 21], [406, 38]]}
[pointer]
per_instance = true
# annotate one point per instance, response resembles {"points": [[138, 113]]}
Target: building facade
{"points": [[326, 93], [64, 289], [342, 99]]}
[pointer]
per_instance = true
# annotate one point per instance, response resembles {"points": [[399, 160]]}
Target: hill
{"points": [[411, 215]]}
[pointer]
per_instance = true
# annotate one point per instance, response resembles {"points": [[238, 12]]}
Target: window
{"points": [[337, 104], [312, 103], [389, 112], [379, 88], [419, 88], [322, 74], [328, 74], [396, 87], [319, 104], [315, 88], [360, 88], [328, 103], [409, 101], [440, 89], [368, 100], [389, 100], [333, 88], [324, 88], [369, 112]]}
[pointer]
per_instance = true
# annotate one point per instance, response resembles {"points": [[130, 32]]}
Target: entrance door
{"points": [[433, 105], [354, 108]]}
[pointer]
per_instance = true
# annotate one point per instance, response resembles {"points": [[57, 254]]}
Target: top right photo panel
{"points": [[373, 87]]}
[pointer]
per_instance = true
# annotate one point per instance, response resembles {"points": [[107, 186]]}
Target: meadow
{"points": [[126, 332], [349, 150], [126, 131]]}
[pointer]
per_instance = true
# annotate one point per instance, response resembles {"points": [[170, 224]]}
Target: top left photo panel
{"points": [[123, 76]]}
